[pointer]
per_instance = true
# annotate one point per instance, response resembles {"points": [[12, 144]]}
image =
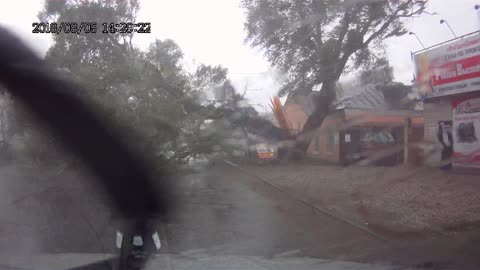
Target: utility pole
{"points": [[158, 59], [406, 129], [245, 89], [477, 8]]}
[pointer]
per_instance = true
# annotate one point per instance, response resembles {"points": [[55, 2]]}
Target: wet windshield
{"points": [[240, 134]]}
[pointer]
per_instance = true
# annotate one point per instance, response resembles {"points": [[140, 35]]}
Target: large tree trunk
{"points": [[322, 108]]}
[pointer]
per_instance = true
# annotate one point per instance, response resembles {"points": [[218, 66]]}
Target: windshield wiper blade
{"points": [[124, 176]]}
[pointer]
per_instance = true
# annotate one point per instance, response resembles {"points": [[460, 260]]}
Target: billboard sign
{"points": [[452, 68], [466, 133]]}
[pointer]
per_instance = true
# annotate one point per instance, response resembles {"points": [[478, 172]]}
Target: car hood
{"points": [[182, 262]]}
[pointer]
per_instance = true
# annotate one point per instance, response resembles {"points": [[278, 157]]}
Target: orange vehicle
{"points": [[266, 152]]}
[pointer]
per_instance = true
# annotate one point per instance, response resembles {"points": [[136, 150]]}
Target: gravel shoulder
{"points": [[394, 200]]}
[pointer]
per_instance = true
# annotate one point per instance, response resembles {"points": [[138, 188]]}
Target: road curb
{"points": [[306, 202]]}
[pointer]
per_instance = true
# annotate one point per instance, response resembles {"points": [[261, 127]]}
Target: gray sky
{"points": [[211, 32]]}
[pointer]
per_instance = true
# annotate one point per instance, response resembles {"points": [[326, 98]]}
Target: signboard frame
{"points": [[466, 132], [449, 68]]}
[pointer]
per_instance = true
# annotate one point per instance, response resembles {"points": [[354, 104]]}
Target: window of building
{"points": [[376, 137]]}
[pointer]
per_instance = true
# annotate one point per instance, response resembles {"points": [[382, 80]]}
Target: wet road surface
{"points": [[221, 212], [225, 211]]}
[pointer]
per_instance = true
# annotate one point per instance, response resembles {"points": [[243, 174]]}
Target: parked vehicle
{"points": [[266, 152]]}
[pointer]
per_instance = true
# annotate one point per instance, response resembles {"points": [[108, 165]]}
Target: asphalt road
{"points": [[225, 211], [221, 211]]}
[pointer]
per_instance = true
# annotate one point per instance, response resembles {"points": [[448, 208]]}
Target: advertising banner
{"points": [[466, 132], [449, 69]]}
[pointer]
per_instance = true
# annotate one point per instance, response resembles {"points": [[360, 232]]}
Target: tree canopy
{"points": [[314, 42], [170, 111]]}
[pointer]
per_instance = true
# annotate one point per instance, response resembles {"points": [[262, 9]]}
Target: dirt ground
{"points": [[394, 200]]}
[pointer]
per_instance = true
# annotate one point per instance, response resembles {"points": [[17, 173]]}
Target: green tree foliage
{"points": [[316, 41], [214, 80], [102, 58], [176, 114]]}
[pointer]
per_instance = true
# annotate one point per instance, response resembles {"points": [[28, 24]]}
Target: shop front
{"points": [[448, 80], [466, 132]]}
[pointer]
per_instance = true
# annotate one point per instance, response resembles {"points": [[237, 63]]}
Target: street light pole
{"points": [[477, 7], [444, 21], [419, 41]]}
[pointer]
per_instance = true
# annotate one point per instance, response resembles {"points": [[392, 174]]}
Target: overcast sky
{"points": [[211, 32]]}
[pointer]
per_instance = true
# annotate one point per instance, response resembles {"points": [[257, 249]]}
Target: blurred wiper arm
{"points": [[123, 176]]}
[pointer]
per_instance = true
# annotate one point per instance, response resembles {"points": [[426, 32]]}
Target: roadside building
{"points": [[361, 127], [448, 80]]}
